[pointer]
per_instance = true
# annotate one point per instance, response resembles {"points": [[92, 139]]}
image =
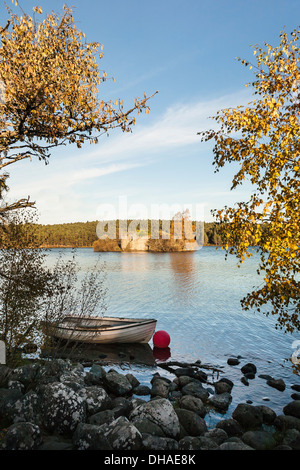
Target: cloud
{"points": [[69, 180]]}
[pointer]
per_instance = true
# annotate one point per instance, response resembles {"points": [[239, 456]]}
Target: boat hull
{"points": [[104, 330]]}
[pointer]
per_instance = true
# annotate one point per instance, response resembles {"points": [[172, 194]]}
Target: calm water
{"points": [[195, 297]]}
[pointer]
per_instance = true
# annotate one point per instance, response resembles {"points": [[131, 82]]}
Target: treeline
{"points": [[83, 234]]}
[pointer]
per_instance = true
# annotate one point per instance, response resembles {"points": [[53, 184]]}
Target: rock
{"points": [[183, 380], [206, 443], [284, 422], [123, 435], [132, 380], [90, 437], [295, 387], [117, 383], [142, 390], [292, 439], [121, 407], [27, 375], [55, 443], [249, 368], [95, 375], [160, 388], [5, 373], [158, 443], [159, 412], [235, 446], [231, 427], [192, 423], [7, 399], [221, 402], [222, 387], [22, 436], [102, 417], [218, 435], [233, 361], [265, 376], [244, 381], [295, 396], [62, 408], [73, 378], [292, 409], [28, 408], [259, 440], [249, 416], [189, 443], [268, 415], [188, 402], [278, 384], [196, 389], [95, 399], [250, 376]]}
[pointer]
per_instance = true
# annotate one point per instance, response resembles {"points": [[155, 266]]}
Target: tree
{"points": [[50, 78], [263, 138], [33, 293]]}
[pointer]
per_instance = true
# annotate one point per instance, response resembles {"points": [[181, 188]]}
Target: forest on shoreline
{"points": [[83, 234]]}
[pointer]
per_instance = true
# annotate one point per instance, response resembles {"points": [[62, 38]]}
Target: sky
{"points": [[188, 52]]}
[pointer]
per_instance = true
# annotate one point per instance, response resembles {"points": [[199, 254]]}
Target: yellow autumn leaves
{"points": [[263, 137]]}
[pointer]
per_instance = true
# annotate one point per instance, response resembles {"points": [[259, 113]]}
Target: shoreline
{"points": [[56, 404]]}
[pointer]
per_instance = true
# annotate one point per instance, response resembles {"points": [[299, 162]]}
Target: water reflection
{"points": [[117, 353], [184, 273]]}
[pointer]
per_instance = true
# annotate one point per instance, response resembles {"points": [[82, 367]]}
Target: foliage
{"points": [[263, 138], [32, 292], [83, 234], [23, 282], [49, 91]]}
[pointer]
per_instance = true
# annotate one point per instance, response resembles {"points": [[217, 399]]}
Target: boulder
{"points": [[123, 435], [249, 368], [22, 436], [95, 398], [62, 408], [259, 440], [220, 402], [158, 443], [90, 437], [278, 384], [292, 409], [161, 414], [196, 389], [222, 386], [231, 427], [160, 388], [217, 435], [188, 402], [191, 422], [249, 416], [117, 383], [268, 415], [28, 408], [95, 375], [235, 446], [292, 439], [284, 422]]}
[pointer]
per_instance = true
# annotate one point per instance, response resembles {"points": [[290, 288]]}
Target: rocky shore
{"points": [[58, 405]]}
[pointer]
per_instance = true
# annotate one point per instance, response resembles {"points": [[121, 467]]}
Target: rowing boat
{"points": [[100, 330]]}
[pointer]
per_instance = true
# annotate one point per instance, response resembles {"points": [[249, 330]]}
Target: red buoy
{"points": [[161, 339]]}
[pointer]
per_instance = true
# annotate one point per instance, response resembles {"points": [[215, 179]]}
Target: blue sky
{"points": [[185, 50]]}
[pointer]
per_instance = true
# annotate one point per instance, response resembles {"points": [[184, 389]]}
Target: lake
{"points": [[195, 297]]}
